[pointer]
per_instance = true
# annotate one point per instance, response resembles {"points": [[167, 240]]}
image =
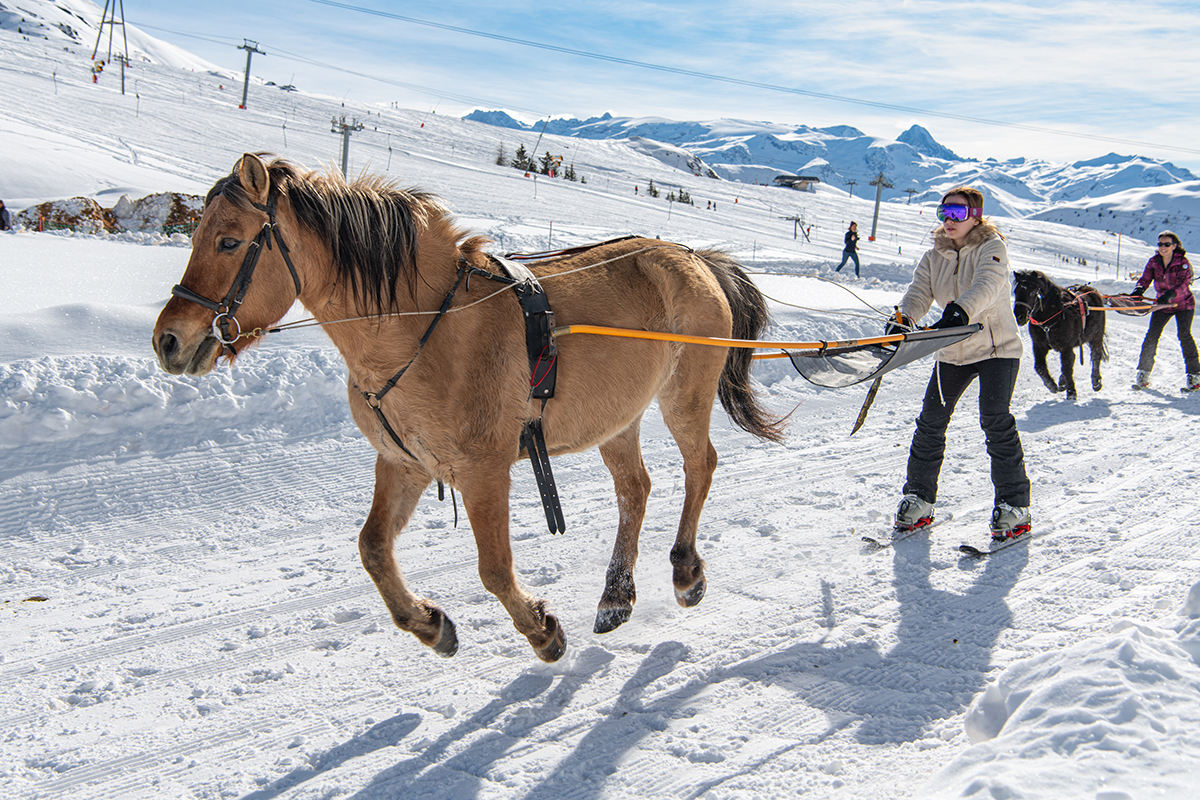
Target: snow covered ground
{"points": [[184, 613]]}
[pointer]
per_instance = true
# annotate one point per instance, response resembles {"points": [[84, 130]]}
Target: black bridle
{"points": [[225, 309]]}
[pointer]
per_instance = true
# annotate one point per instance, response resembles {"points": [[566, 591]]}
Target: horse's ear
{"points": [[252, 173]]}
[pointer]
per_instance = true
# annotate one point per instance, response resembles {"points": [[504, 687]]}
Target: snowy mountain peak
{"points": [[843, 156], [77, 23], [923, 142]]}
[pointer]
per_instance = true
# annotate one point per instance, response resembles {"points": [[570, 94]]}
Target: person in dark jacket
{"points": [[1171, 273], [5, 220], [850, 251]]}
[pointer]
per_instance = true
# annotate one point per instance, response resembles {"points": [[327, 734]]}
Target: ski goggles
{"points": [[957, 212]]}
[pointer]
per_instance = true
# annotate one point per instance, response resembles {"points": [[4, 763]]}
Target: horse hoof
{"points": [[692, 596], [609, 619], [558, 641], [447, 643]]}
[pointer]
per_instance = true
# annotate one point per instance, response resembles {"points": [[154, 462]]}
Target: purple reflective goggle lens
{"points": [[957, 212]]}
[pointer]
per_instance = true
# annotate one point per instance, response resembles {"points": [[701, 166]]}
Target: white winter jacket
{"points": [[977, 278]]}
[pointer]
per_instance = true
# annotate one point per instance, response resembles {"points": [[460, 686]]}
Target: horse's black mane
{"points": [[370, 225]]}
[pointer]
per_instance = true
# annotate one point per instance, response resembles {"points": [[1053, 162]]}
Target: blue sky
{"points": [[1117, 76]]}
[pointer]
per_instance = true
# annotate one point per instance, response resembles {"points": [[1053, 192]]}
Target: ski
{"points": [[874, 545], [996, 546]]}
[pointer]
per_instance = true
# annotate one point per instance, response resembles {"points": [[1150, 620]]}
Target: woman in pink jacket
{"points": [[1171, 273]]}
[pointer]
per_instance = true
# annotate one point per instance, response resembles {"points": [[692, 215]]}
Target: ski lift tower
{"points": [[109, 17], [251, 48], [879, 183], [345, 129]]}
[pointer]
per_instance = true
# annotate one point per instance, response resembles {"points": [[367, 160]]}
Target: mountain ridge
{"points": [[1122, 191]]}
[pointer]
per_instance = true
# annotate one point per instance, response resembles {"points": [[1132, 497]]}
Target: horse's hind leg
{"points": [[1067, 381], [485, 496], [1099, 353], [398, 487], [686, 407], [622, 455]]}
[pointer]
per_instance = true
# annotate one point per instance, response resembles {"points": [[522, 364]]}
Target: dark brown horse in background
{"points": [[456, 414], [1060, 319]]}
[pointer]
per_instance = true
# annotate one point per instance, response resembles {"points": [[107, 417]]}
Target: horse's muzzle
{"points": [[177, 358]]}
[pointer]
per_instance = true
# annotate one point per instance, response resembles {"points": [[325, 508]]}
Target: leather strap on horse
{"points": [[375, 399], [229, 305], [543, 372]]}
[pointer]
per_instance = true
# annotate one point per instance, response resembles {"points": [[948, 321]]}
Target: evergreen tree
{"points": [[547, 162], [652, 190], [521, 159], [501, 156]]}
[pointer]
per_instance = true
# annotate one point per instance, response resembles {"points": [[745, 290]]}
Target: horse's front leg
{"points": [[1066, 358], [622, 455], [398, 487], [485, 497], [1041, 349]]}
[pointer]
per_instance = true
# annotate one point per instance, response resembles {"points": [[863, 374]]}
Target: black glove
{"points": [[1138, 292], [952, 317], [904, 325], [1165, 298]]}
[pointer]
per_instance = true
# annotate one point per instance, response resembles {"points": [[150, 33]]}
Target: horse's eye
{"points": [[226, 245]]}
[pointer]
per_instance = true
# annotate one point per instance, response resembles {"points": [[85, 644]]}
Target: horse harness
{"points": [[543, 369], [1081, 304], [225, 308]]}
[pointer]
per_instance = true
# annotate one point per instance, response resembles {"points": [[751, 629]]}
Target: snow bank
{"points": [[1089, 720], [67, 408]]}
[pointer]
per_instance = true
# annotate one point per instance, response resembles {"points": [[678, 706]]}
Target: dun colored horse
{"points": [[373, 264], [1060, 319]]}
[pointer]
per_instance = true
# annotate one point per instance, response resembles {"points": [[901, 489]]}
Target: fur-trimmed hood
{"points": [[978, 235], [977, 278]]}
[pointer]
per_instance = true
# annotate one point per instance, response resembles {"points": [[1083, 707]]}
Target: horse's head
{"points": [[236, 280], [1028, 286]]}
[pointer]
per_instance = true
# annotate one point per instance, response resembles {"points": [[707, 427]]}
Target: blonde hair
{"points": [[974, 196]]}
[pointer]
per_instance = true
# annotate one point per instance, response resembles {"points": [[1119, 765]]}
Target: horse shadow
{"points": [[388, 733], [940, 660], [462, 775], [1048, 413]]}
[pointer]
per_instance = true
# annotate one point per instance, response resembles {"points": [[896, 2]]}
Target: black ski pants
{"points": [[997, 377], [1183, 325]]}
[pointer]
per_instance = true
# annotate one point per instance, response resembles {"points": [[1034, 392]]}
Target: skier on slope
{"points": [[1171, 273], [967, 272]]}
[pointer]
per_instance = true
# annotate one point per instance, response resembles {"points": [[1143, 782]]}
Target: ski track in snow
{"points": [[247, 551]]}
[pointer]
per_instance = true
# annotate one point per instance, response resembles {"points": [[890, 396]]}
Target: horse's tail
{"points": [[750, 319]]}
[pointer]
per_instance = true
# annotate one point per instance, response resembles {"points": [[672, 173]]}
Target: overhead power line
{"points": [[744, 82], [289, 56]]}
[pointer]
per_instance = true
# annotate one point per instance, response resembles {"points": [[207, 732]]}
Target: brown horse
{"points": [[373, 263]]}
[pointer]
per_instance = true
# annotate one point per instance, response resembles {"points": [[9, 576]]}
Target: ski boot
{"points": [[1009, 522], [1193, 382], [913, 513], [1141, 379]]}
